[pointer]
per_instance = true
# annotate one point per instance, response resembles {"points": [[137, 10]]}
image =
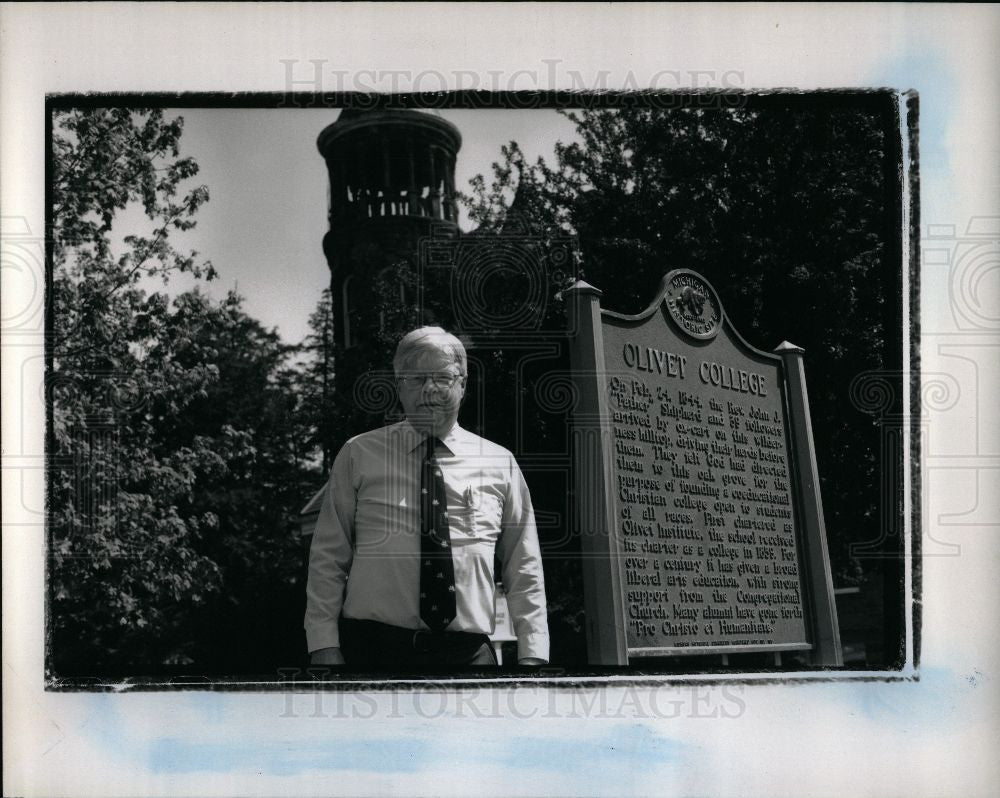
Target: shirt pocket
{"points": [[485, 507]]}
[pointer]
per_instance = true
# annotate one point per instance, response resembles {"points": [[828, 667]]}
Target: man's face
{"points": [[431, 408]]}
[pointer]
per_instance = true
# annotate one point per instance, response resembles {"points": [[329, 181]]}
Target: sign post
{"points": [[697, 491]]}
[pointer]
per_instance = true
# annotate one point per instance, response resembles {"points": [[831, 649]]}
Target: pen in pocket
{"points": [[471, 497]]}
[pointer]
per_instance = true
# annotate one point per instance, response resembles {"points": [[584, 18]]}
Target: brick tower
{"points": [[392, 177]]}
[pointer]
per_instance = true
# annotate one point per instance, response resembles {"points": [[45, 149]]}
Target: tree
{"points": [[787, 205], [254, 621], [122, 555], [172, 443], [316, 380]]}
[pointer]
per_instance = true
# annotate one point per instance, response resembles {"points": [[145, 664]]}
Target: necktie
{"points": [[437, 573]]}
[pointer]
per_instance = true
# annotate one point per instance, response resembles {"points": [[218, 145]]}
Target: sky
{"points": [[263, 226]]}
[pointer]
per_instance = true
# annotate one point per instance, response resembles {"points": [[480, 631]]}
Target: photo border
{"points": [[906, 254]]}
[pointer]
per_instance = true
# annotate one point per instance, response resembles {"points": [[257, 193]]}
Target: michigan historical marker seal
{"points": [[692, 303]]}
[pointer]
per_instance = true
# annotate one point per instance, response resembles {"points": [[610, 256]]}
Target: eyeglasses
{"points": [[442, 382]]}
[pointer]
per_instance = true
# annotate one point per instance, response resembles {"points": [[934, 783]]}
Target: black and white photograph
{"points": [[216, 479], [522, 400]]}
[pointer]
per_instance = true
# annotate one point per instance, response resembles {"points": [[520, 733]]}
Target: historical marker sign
{"points": [[697, 485]]}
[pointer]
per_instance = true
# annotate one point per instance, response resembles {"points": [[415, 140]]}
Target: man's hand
{"points": [[327, 656], [531, 661]]}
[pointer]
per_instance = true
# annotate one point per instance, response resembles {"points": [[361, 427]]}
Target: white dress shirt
{"points": [[365, 552]]}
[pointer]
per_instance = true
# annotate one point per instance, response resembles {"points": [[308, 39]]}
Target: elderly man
{"points": [[401, 564]]}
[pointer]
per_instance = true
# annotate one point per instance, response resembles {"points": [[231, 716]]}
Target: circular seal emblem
{"points": [[693, 304]]}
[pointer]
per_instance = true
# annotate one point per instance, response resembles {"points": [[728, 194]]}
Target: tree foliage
{"points": [[172, 442], [785, 206], [316, 380]]}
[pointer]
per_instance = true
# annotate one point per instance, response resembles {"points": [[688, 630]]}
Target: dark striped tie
{"points": [[437, 573]]}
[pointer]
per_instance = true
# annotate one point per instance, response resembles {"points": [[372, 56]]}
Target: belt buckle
{"points": [[419, 635]]}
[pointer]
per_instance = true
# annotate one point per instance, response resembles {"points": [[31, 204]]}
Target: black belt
{"points": [[422, 641]]}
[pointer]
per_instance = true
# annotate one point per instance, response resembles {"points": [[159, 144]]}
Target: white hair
{"points": [[425, 339]]}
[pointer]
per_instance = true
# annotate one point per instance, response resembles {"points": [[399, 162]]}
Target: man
{"points": [[401, 563]]}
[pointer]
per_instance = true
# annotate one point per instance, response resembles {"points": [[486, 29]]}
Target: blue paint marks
{"points": [[934, 700], [166, 753], [928, 71], [618, 748], [621, 747], [398, 755]]}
